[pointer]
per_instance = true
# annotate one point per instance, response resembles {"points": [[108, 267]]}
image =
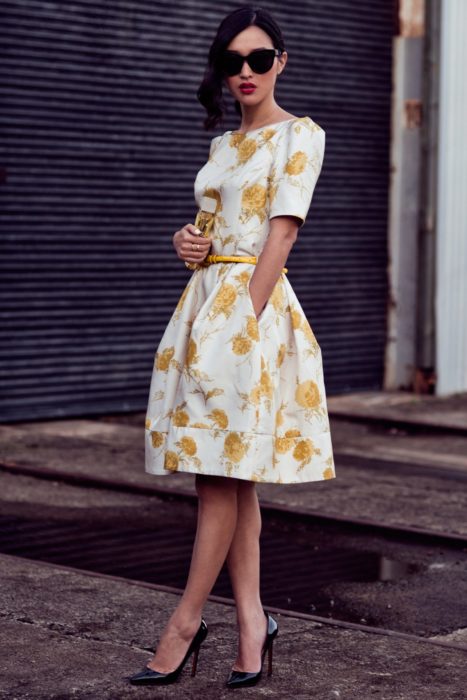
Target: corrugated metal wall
{"points": [[451, 229], [101, 141]]}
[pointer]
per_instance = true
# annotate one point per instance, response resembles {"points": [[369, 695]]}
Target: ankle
{"points": [[250, 616], [185, 623]]}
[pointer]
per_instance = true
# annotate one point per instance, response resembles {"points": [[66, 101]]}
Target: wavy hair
{"points": [[209, 93]]}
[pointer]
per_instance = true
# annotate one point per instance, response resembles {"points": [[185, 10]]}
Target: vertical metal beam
{"points": [[425, 362], [404, 194]]}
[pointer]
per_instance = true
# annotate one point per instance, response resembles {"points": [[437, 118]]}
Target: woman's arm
{"points": [[282, 235]]}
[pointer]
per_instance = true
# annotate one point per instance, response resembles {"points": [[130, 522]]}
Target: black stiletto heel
{"points": [[239, 679], [270, 660], [150, 677]]}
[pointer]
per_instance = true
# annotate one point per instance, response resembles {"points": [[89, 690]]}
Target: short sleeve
{"points": [[295, 169]]}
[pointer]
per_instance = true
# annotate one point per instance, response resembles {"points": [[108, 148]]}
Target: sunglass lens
{"points": [[259, 62], [232, 64]]}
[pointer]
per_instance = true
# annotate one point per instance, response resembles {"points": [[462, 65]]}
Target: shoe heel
{"points": [[195, 661], [270, 659]]}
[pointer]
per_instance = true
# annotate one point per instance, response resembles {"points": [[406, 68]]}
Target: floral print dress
{"points": [[232, 395]]}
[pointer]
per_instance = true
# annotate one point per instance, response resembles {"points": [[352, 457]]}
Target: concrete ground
{"points": [[321, 568], [69, 634], [449, 413], [66, 633]]}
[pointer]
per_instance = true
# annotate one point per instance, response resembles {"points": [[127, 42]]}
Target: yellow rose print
{"points": [[296, 317], [224, 301], [303, 450], [236, 139], [266, 385], [307, 394], [157, 438], [252, 327], [171, 461], [255, 394], [240, 344], [162, 362], [267, 134], [219, 417], [243, 278], [284, 444], [279, 417], [272, 187], [234, 447], [180, 418], [310, 337], [188, 445], [277, 298], [280, 355], [245, 150], [254, 200], [328, 473], [191, 354], [296, 164]]}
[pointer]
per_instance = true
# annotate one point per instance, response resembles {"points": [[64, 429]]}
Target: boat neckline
{"points": [[266, 126]]}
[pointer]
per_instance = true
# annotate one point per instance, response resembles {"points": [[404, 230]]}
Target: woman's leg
{"points": [[217, 518], [243, 561]]}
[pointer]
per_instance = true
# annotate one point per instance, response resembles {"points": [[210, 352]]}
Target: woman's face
{"points": [[243, 43]]}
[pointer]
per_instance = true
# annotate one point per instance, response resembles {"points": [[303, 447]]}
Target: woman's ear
{"points": [[282, 60]]}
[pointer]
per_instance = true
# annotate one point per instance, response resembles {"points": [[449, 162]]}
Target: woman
{"points": [[237, 393]]}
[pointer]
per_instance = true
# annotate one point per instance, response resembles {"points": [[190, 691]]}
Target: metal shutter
{"points": [[101, 140]]}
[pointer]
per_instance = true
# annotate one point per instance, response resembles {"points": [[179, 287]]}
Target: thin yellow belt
{"points": [[233, 258]]}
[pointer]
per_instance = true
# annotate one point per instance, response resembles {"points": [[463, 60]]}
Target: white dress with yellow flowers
{"points": [[230, 395]]}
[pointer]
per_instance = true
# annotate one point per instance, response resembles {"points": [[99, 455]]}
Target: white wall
{"points": [[451, 238]]}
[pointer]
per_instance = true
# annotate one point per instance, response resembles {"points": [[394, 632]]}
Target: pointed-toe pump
{"points": [[147, 676], [239, 679]]}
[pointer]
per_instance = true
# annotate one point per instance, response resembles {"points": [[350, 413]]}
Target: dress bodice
{"points": [[255, 175]]}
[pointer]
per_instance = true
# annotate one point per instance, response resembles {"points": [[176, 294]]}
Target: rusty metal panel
{"points": [[101, 141]]}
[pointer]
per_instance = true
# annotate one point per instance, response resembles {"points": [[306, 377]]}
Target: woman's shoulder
{"points": [[297, 135], [301, 133], [292, 130], [285, 126], [305, 121]]}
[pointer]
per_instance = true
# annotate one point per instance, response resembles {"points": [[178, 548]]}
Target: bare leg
{"points": [[217, 518], [243, 561]]}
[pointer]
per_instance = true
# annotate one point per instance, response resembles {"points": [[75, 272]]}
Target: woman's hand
{"points": [[254, 303], [187, 237], [269, 265]]}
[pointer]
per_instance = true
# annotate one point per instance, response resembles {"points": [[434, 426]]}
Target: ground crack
{"points": [[66, 631]]}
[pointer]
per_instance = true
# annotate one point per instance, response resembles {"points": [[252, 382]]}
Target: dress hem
{"points": [[247, 456]]}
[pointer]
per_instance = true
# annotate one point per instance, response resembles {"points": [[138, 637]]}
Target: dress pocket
{"points": [[260, 317]]}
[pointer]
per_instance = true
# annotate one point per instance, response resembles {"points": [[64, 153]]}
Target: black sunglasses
{"points": [[259, 60]]}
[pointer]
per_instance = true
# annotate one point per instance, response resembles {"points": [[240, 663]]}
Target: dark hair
{"points": [[209, 92]]}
